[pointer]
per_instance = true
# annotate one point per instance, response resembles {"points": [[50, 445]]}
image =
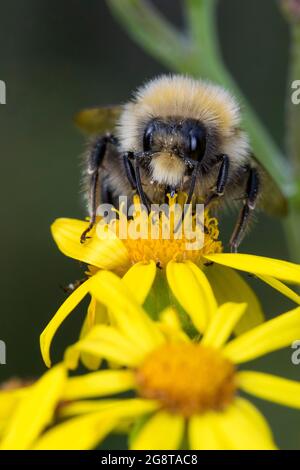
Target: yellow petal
{"points": [[245, 428], [163, 431], [108, 415], [133, 407], [97, 384], [192, 290], [269, 387], [105, 342], [35, 411], [170, 325], [62, 313], [283, 270], [229, 286], [281, 287], [96, 314], [127, 313], [139, 279], [255, 416], [170, 318], [105, 252], [80, 407], [270, 336], [204, 433], [8, 401], [223, 323], [80, 433], [122, 408]]}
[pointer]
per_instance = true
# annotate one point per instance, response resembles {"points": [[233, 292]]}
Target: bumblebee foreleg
{"points": [[130, 173], [221, 181], [96, 158], [252, 192]]}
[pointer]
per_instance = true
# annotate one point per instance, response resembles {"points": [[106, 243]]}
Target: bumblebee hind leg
{"points": [[96, 157], [252, 191]]}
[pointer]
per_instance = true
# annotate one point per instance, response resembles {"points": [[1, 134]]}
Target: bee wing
{"points": [[97, 120], [272, 199]]}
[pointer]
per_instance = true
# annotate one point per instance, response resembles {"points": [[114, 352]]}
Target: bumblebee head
{"points": [[181, 138], [173, 144]]}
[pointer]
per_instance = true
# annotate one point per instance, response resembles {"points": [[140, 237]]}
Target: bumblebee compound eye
{"points": [[197, 142], [148, 137]]}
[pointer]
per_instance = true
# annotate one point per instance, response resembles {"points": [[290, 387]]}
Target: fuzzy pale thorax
{"points": [[182, 97]]}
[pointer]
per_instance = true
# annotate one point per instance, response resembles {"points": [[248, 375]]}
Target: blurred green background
{"points": [[59, 56]]}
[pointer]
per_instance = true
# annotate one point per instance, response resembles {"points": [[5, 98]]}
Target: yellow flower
{"points": [[184, 390], [26, 412], [146, 264]]}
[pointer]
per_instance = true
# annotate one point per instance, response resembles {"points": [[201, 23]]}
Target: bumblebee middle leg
{"points": [[252, 191], [96, 157]]}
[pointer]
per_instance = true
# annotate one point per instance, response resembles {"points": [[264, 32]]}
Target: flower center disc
{"points": [[162, 242], [187, 378]]}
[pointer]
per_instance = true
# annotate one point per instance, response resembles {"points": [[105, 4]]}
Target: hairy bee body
{"points": [[176, 134]]}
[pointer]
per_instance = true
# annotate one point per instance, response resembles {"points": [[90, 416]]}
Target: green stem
{"points": [[292, 227], [293, 110], [150, 29]]}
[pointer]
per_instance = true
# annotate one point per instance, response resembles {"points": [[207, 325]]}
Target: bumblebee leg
{"points": [[96, 157], [129, 169], [190, 195], [139, 185], [193, 183], [106, 194], [252, 192], [221, 181], [72, 286]]}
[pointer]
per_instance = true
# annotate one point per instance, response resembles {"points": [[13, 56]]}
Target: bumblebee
{"points": [[176, 134]]}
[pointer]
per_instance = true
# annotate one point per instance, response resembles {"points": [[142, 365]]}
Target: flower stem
{"points": [[292, 227], [293, 110], [145, 25]]}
